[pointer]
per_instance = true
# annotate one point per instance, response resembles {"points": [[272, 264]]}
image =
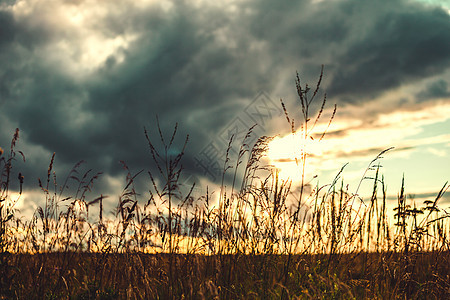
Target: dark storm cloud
{"points": [[196, 66], [367, 47], [400, 47], [437, 89], [6, 28], [7, 74]]}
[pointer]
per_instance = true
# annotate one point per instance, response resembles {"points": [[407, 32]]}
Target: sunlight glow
{"points": [[286, 154]]}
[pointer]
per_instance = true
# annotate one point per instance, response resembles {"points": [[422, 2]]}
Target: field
{"points": [[147, 276], [256, 240]]}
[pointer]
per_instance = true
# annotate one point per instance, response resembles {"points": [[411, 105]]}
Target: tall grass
{"points": [[254, 239]]}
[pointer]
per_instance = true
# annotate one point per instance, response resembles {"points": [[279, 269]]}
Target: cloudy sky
{"points": [[83, 78]]}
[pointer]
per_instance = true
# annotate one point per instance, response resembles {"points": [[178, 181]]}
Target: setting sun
{"points": [[286, 155]]}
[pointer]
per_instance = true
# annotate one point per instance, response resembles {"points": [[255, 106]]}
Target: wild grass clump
{"points": [[254, 239]]}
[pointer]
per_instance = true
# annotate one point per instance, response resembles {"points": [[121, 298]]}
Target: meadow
{"points": [[256, 239]]}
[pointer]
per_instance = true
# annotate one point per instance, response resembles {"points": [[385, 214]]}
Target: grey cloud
{"points": [[442, 203], [436, 89], [6, 28], [332, 133], [369, 152], [367, 47], [400, 47]]}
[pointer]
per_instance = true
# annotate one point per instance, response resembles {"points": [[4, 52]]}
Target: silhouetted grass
{"points": [[255, 240]]}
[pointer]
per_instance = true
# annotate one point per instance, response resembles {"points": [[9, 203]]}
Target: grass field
{"points": [[147, 276], [256, 240]]}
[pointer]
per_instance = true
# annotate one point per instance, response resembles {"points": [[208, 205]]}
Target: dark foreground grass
{"points": [[146, 276]]}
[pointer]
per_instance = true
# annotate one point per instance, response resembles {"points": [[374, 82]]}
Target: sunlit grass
{"points": [[265, 235]]}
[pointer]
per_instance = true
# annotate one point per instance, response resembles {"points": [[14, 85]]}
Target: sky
{"points": [[83, 78]]}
